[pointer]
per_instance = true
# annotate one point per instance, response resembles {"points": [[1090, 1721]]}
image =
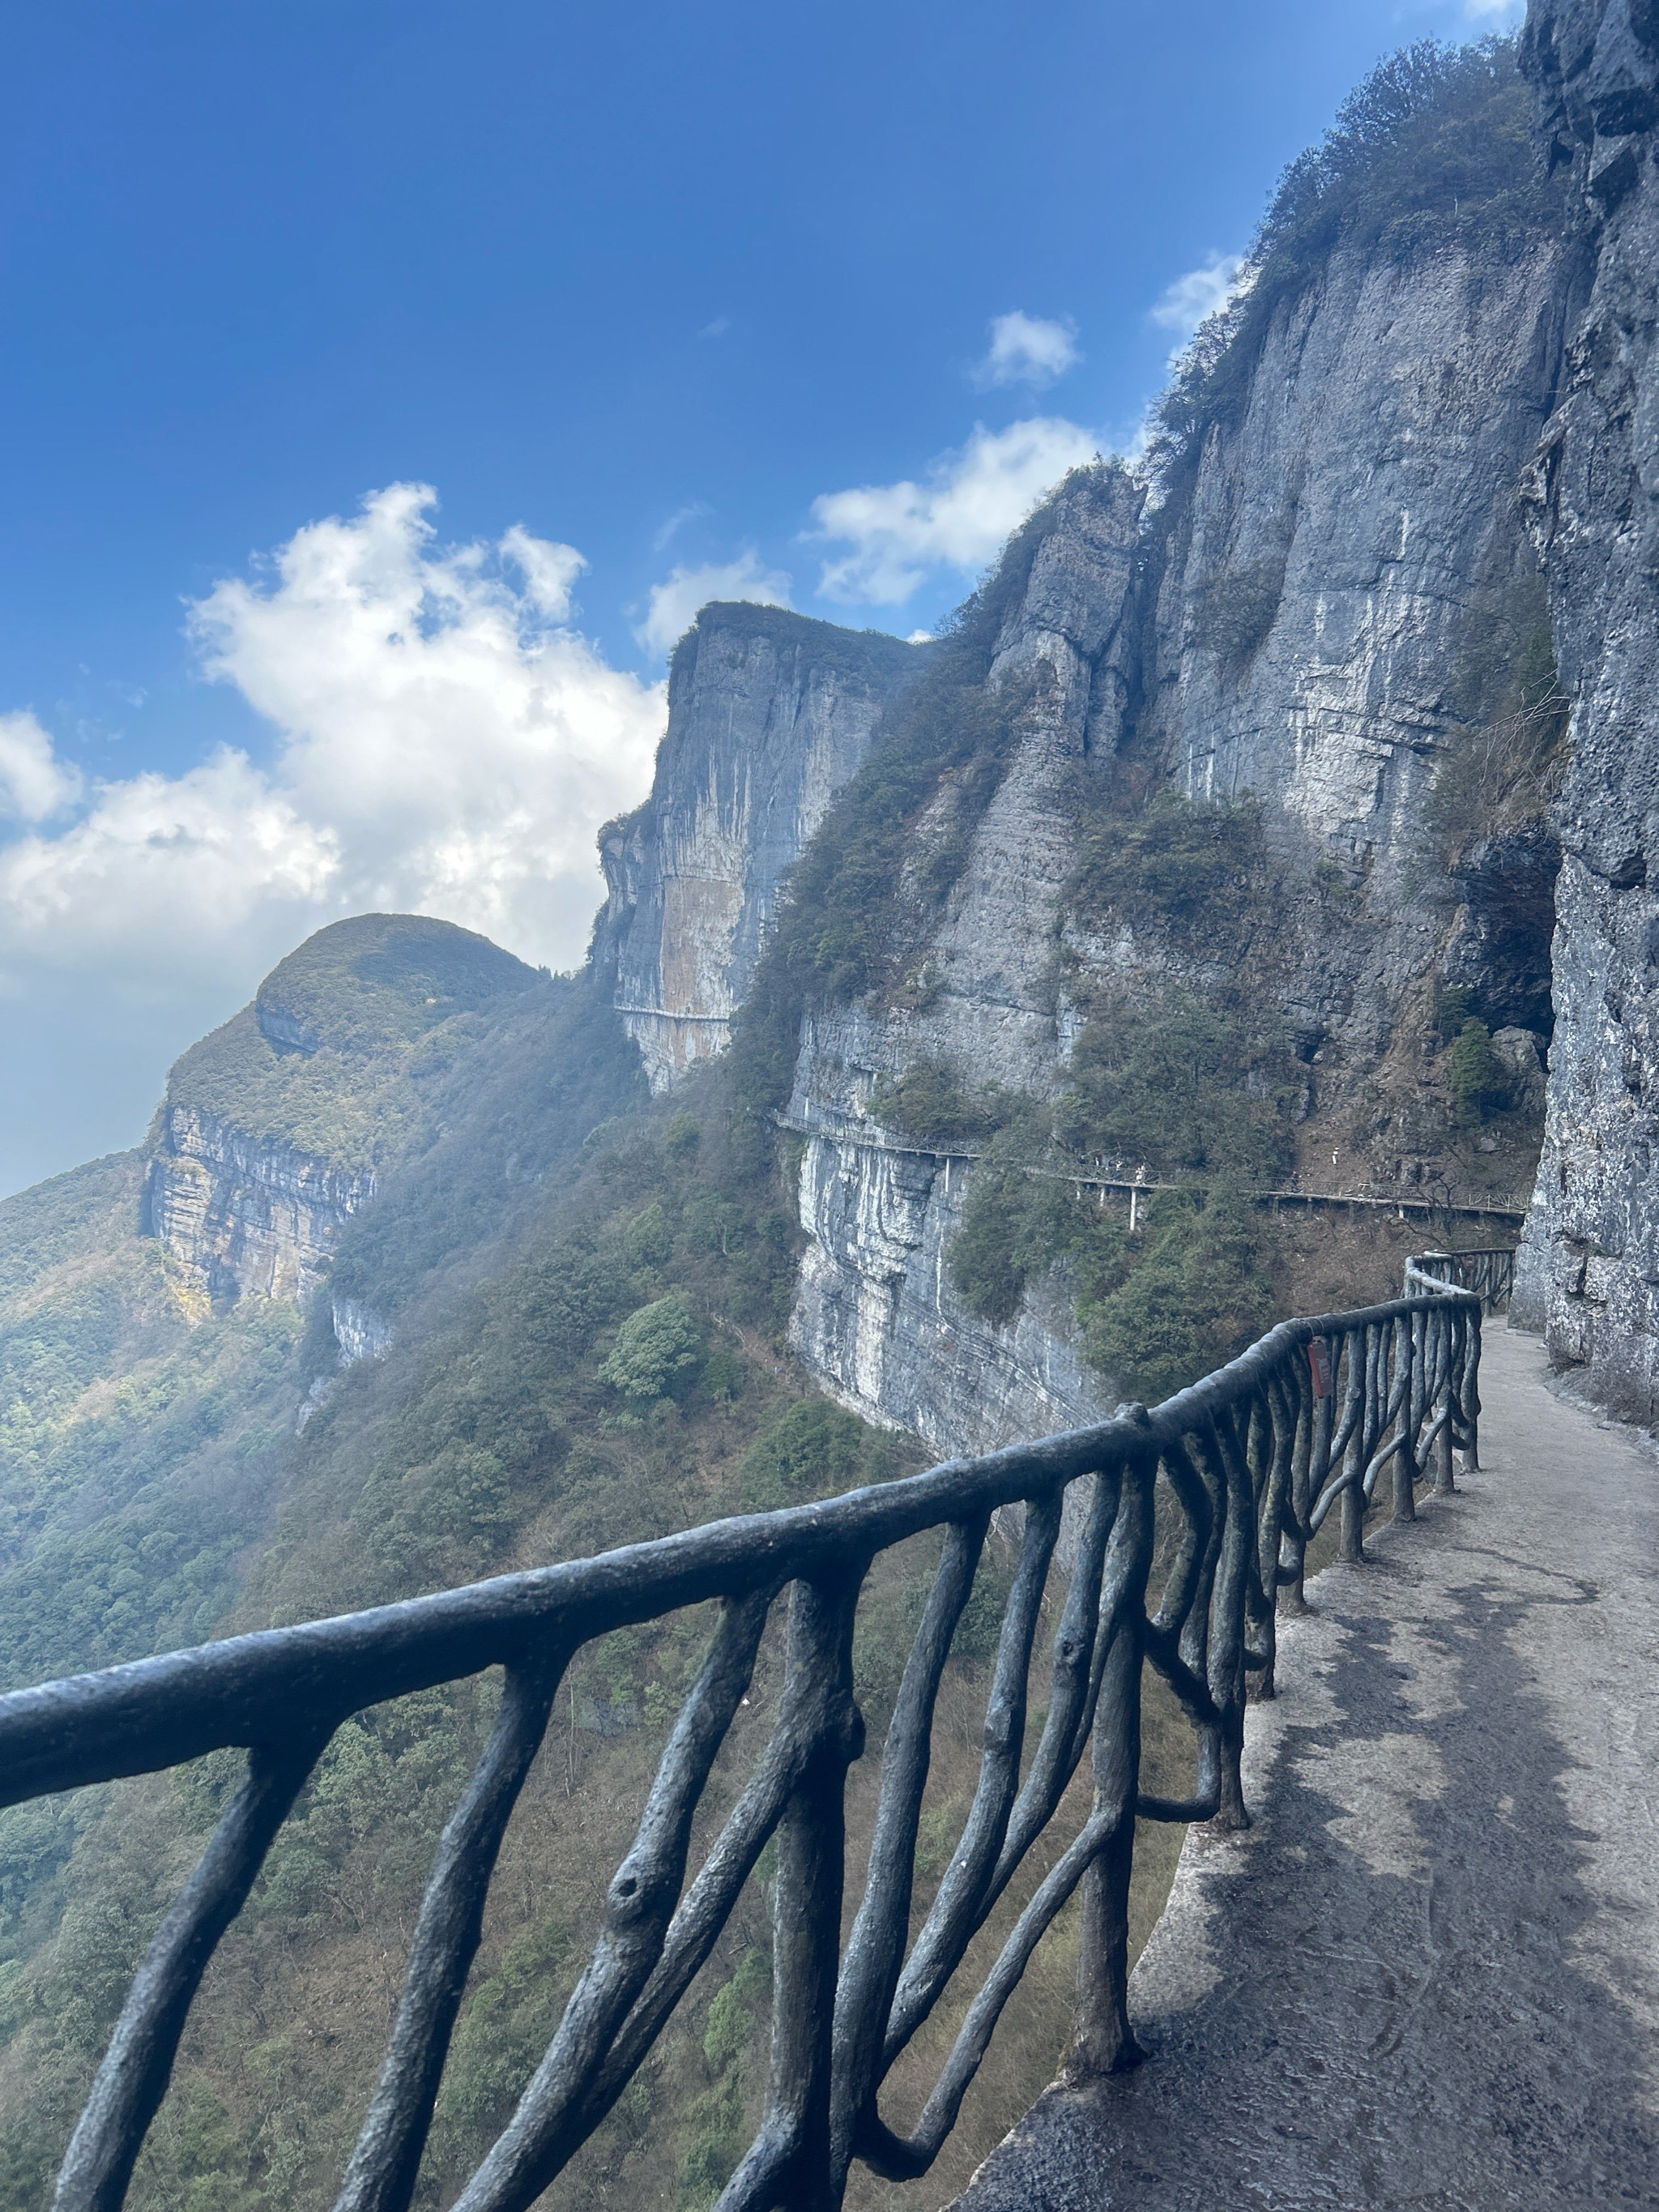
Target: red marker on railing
{"points": [[1319, 1360]]}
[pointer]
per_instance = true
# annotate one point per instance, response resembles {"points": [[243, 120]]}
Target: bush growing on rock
{"points": [[1475, 1073]]}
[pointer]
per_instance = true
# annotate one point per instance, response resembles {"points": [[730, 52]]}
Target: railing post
{"points": [[1412, 1340], [791, 2163], [1351, 1548], [1102, 2041], [1313, 1459], [1450, 1326], [1469, 1393], [1228, 1609], [133, 2078]]}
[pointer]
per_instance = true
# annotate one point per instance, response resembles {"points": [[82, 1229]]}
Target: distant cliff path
{"points": [[1429, 1975]]}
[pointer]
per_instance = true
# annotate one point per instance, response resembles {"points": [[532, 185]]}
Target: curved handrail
{"points": [[1180, 1528], [1488, 1272]]}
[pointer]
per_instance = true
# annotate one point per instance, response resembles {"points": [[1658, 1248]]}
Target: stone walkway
{"points": [[1429, 1975]]}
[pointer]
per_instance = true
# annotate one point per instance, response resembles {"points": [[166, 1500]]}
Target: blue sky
{"points": [[657, 301]]}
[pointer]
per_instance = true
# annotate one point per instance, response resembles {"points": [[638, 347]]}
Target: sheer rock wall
{"points": [[1361, 504], [243, 1219], [768, 714], [1590, 1273]]}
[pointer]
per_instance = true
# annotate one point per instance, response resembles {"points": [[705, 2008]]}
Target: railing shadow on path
{"points": [[1428, 1976], [1175, 1536]]}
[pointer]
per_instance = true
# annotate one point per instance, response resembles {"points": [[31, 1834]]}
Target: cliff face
{"points": [[876, 1315], [768, 714], [275, 1128], [1326, 580], [246, 1218], [1293, 623], [1589, 1273]]}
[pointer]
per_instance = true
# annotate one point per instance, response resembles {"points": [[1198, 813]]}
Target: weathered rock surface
{"points": [[876, 1314], [1291, 624], [877, 1319], [768, 714], [244, 1219], [1323, 576], [360, 1332], [1590, 1263], [277, 1128]]}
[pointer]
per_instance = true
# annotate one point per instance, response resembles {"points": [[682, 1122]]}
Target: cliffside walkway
{"points": [[1429, 1975], [1470, 1205]]}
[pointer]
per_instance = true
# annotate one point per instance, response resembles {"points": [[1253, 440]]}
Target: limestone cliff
{"points": [[275, 1128], [1320, 600], [1590, 1264], [241, 1217], [876, 1315], [1294, 619], [1344, 538], [768, 713]]}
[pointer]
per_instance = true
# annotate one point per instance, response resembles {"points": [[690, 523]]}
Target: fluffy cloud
{"points": [[1027, 349], [1500, 12], [897, 534], [444, 742], [673, 604], [33, 783], [1194, 298]]}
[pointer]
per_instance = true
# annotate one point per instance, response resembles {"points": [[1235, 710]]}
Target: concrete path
{"points": [[1429, 1975]]}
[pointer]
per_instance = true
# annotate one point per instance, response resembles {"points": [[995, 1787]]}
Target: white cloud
{"points": [[549, 571], [669, 531], [1028, 349], [445, 744], [1194, 298], [166, 869], [673, 604], [1495, 11], [898, 533], [33, 783]]}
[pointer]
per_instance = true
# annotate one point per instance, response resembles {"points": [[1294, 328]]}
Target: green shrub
{"points": [[657, 1347], [1503, 768], [1192, 872], [725, 1376], [729, 2031], [1475, 1074], [1175, 1087], [205, 2154], [1198, 1295], [732, 2041], [991, 1258], [1016, 1224], [680, 1136], [931, 1103], [1234, 612], [979, 1628], [1454, 1004], [813, 1450], [648, 1239], [503, 2032], [1180, 1088]]}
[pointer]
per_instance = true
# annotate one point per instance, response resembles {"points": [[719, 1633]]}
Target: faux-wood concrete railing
{"points": [[1173, 1530]]}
